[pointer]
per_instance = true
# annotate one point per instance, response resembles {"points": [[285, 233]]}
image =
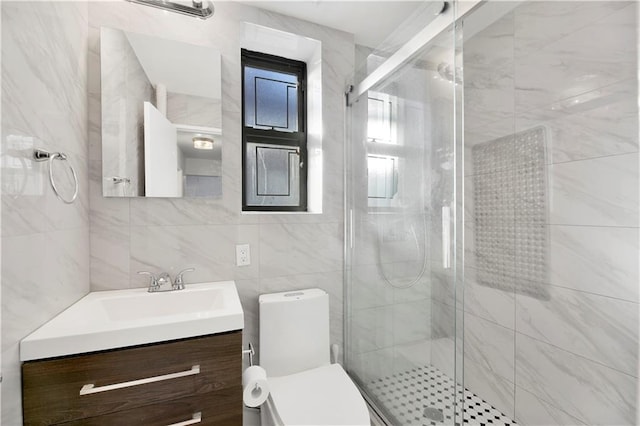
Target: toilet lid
{"points": [[322, 396]]}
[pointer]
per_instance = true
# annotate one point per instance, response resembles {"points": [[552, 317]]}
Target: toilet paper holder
{"points": [[250, 352]]}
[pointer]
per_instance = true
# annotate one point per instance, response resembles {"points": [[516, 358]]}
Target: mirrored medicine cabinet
{"points": [[161, 117]]}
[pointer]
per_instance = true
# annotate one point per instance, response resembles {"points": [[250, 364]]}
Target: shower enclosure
{"points": [[402, 214], [489, 273]]}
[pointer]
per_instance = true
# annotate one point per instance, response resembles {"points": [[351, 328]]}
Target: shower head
{"points": [[202, 9], [450, 74]]}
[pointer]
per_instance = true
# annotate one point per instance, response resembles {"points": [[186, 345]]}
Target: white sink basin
{"points": [[139, 305], [114, 319]]}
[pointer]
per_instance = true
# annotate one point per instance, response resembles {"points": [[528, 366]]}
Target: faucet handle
{"points": [[178, 284], [154, 280]]}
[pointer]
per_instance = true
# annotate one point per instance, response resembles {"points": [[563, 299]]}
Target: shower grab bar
{"points": [[409, 49], [40, 155], [90, 388]]}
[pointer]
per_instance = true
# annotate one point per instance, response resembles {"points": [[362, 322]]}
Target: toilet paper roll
{"points": [[255, 387]]}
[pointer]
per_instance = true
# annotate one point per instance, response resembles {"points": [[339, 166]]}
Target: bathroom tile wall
{"points": [[489, 355], [194, 110], [571, 357], [124, 94], [288, 251], [45, 243]]}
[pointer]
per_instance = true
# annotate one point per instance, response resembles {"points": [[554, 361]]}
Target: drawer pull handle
{"points": [[197, 418], [89, 389]]}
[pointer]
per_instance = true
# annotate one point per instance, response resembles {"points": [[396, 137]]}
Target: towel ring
{"points": [[41, 155]]}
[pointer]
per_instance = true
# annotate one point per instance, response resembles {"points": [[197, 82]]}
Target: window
{"points": [[274, 138], [381, 125], [382, 167], [382, 176]]}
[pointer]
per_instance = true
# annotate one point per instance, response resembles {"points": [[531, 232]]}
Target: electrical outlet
{"points": [[243, 255]]}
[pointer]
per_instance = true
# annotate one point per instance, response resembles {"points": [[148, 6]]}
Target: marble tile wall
{"points": [[194, 110], [288, 251], [571, 359], [124, 91], [45, 243]]}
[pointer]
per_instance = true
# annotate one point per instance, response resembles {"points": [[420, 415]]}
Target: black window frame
{"points": [[269, 136]]}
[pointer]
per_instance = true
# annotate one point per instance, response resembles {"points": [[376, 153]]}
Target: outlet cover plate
{"points": [[243, 255]]}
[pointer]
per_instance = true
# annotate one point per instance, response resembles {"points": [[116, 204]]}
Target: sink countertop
{"points": [[113, 319]]}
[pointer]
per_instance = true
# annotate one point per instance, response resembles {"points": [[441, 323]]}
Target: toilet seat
{"points": [[321, 396]]}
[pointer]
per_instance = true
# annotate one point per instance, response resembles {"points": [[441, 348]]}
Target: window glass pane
{"points": [[292, 93], [382, 182], [271, 99], [272, 175], [379, 124], [273, 170], [272, 103]]}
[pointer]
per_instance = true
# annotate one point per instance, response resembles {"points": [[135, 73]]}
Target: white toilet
{"points": [[305, 388]]}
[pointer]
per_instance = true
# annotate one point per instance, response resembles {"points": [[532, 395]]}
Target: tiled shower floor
{"points": [[406, 396]]}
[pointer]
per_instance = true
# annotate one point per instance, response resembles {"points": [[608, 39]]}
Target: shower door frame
{"points": [[402, 56]]}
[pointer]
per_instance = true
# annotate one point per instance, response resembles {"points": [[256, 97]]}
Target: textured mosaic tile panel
{"points": [[510, 205]]}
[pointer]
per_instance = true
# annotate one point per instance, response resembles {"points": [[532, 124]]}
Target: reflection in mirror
{"points": [[161, 117], [386, 156]]}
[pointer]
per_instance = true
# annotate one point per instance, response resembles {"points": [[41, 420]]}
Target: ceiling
{"points": [[181, 67], [370, 21]]}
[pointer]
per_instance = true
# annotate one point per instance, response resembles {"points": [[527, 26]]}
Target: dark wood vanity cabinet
{"points": [[192, 381]]}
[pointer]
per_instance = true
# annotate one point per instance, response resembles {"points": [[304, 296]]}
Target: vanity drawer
{"points": [[128, 378], [223, 407]]}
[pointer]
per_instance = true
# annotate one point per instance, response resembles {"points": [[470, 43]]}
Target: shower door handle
{"points": [[351, 228], [446, 237]]}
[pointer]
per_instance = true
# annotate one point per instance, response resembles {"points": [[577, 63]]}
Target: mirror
{"points": [[161, 117]]}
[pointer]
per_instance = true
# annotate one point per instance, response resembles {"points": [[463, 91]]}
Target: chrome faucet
{"points": [[178, 284], [163, 281]]}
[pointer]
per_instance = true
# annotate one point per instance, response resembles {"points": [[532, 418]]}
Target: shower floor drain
{"points": [[424, 396], [434, 414]]}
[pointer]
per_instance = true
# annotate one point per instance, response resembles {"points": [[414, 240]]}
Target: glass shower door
{"points": [[400, 245]]}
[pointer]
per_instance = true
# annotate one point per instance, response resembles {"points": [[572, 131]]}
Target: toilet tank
{"points": [[294, 331]]}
